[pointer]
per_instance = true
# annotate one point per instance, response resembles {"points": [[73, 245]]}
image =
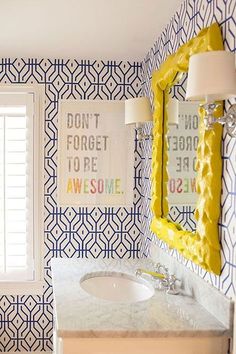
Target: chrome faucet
{"points": [[166, 281]]}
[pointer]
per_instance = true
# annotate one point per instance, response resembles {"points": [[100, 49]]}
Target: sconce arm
{"points": [[229, 119], [209, 119], [141, 136]]}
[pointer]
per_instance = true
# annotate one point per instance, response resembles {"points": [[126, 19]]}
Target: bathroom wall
{"points": [[26, 321], [191, 17]]}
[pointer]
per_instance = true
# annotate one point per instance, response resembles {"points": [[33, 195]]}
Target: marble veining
{"points": [[204, 293], [79, 314]]}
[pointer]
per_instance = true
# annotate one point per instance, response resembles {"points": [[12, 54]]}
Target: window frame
{"points": [[35, 286]]}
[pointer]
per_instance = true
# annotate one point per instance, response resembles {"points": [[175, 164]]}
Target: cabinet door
{"points": [[167, 345]]}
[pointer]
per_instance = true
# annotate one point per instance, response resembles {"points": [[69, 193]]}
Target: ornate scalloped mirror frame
{"points": [[202, 246]]}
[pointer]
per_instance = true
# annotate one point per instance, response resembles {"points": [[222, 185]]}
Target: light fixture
{"points": [[138, 111], [212, 77], [173, 111]]}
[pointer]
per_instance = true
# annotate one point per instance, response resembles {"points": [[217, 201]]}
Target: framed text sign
{"points": [[182, 145], [95, 154]]}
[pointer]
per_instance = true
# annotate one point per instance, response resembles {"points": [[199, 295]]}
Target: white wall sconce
{"points": [[138, 111], [212, 77], [173, 111]]}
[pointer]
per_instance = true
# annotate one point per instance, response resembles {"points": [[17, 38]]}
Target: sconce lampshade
{"points": [[138, 110], [211, 76], [173, 111]]}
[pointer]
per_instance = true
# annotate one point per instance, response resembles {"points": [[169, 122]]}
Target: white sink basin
{"points": [[116, 287]]}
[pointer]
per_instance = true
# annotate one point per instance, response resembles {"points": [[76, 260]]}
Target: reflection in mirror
{"points": [[182, 139]]}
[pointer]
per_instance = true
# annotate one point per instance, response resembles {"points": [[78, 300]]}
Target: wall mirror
{"points": [[182, 143], [201, 246]]}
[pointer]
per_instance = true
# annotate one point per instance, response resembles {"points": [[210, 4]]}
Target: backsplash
{"points": [[26, 321], [185, 24]]}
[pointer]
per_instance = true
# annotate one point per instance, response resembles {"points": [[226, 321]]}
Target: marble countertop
{"points": [[79, 314]]}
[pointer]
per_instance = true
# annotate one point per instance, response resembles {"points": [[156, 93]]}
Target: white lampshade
{"points": [[173, 111], [211, 76], [138, 110]]}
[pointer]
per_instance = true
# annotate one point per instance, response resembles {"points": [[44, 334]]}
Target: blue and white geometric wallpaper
{"points": [[185, 24], [26, 321]]}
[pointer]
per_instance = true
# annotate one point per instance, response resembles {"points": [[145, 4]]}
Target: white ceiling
{"points": [[82, 29]]}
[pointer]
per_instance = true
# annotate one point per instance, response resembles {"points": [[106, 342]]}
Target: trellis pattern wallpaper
{"points": [[26, 321], [185, 24]]}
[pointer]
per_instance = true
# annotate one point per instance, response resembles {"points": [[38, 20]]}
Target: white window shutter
{"points": [[17, 169]]}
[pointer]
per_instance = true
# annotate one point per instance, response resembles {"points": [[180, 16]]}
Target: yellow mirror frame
{"points": [[203, 246]]}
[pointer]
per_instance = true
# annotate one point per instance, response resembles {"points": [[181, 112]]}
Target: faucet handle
{"points": [[171, 286], [169, 281], [160, 268]]}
